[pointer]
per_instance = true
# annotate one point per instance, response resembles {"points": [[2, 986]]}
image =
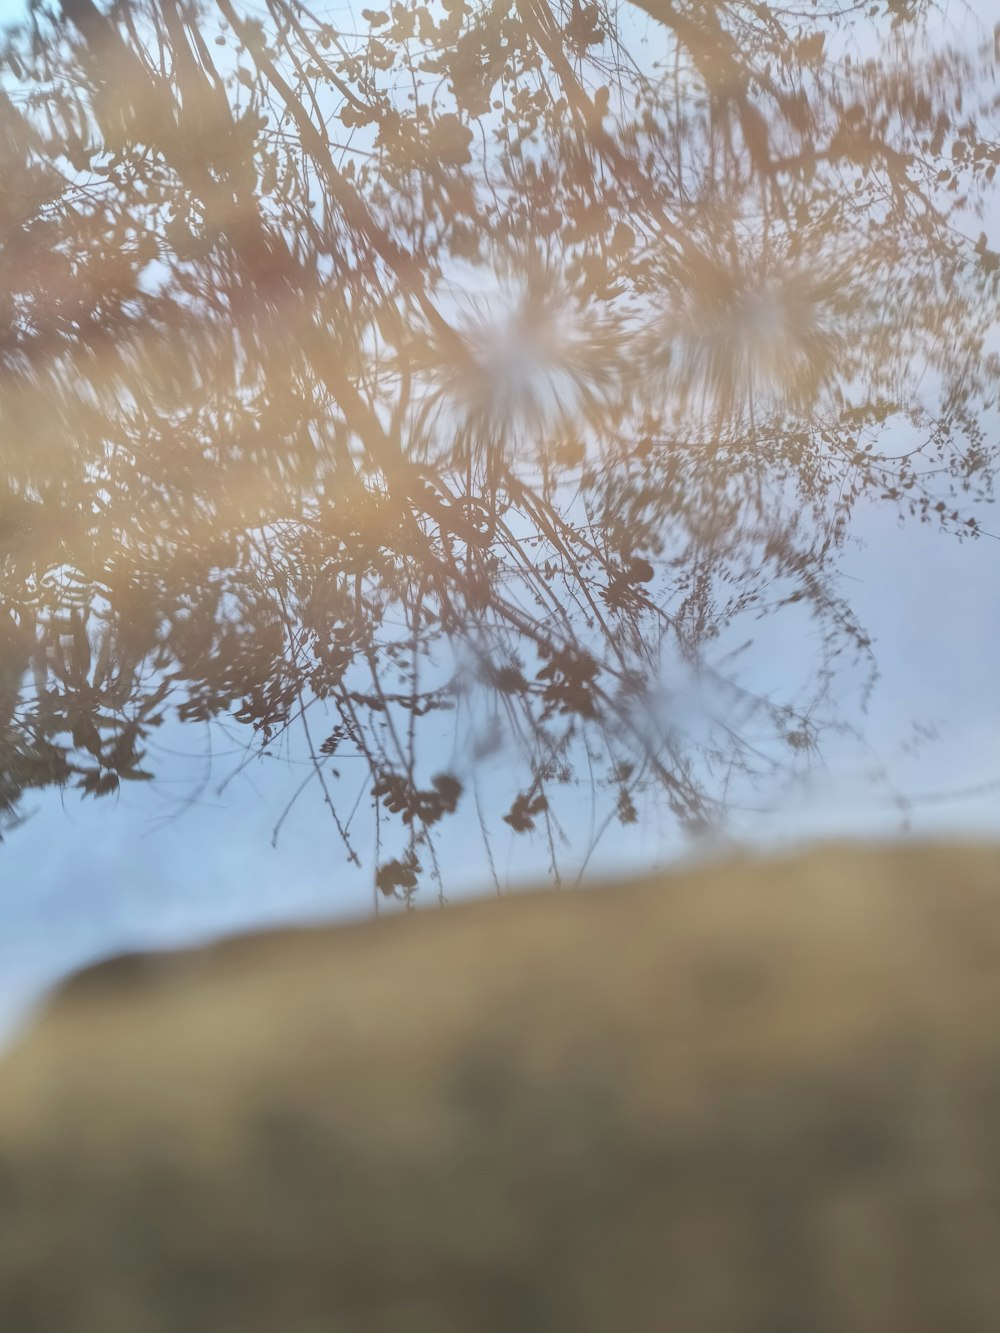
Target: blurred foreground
{"points": [[756, 1097]]}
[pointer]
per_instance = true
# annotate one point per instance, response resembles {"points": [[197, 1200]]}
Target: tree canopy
{"points": [[489, 360]]}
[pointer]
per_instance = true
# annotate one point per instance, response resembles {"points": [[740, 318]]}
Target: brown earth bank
{"points": [[761, 1098]]}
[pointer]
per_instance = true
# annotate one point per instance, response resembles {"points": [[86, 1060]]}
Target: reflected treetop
{"points": [[473, 370]]}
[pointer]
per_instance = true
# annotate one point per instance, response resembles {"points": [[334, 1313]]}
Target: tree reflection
{"points": [[493, 360]]}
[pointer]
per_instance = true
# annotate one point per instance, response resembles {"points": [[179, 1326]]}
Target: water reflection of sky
{"points": [[174, 864], [219, 843]]}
